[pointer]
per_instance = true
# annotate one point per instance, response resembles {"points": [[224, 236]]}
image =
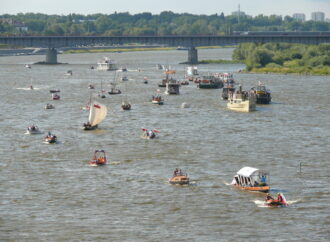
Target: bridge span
{"points": [[189, 41]]}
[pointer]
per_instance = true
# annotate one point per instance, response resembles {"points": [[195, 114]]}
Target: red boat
{"points": [[280, 201], [99, 158]]}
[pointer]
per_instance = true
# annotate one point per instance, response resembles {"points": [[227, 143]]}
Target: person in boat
{"points": [[279, 198], [175, 173], [269, 197]]}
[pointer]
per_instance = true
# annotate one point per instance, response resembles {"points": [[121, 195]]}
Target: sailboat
{"points": [[97, 113]]}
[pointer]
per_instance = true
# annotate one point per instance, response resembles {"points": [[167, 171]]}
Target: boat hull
{"points": [[88, 127], [254, 189], [242, 106]]}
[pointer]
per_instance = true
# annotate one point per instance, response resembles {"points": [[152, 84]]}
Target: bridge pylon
{"points": [[51, 56], [192, 55]]}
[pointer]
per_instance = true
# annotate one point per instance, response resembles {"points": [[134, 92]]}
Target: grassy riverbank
{"points": [[285, 58]]}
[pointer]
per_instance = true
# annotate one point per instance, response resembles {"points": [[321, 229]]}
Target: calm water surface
{"points": [[48, 192]]}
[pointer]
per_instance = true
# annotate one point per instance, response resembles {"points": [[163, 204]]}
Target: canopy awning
{"points": [[247, 171]]}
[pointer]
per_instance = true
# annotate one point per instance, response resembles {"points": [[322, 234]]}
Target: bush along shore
{"points": [[284, 58]]}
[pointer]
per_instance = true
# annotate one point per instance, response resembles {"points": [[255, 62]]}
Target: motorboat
{"points": [[125, 105], [106, 64], [55, 96], [280, 201], [185, 105], [251, 179], [97, 113], [184, 83], [124, 78], [228, 85], [149, 134], [99, 158], [157, 99], [210, 82], [263, 95], [167, 78], [49, 106], [179, 178], [192, 71], [172, 87], [242, 101], [68, 73], [50, 138], [33, 129]]}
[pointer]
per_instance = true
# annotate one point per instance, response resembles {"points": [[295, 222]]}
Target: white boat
{"points": [[106, 64], [172, 87], [33, 129], [251, 179], [97, 113], [242, 101], [192, 71]]}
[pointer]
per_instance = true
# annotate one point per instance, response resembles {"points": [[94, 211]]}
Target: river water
{"points": [[48, 192]]}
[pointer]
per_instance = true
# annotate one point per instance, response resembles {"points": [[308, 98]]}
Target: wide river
{"points": [[48, 192]]}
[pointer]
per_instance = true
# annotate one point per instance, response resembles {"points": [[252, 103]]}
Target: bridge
{"points": [[191, 42]]}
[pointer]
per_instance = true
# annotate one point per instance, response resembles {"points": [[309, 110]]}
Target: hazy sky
{"points": [[251, 7]]}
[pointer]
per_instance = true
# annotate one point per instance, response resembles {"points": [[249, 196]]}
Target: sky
{"points": [[250, 7]]}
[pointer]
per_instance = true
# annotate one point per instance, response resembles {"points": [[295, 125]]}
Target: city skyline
{"points": [[252, 7]]}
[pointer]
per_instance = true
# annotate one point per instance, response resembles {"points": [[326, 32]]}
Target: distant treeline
{"points": [[285, 58], [165, 23]]}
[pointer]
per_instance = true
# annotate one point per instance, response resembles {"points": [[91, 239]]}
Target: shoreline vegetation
{"points": [[284, 58]]}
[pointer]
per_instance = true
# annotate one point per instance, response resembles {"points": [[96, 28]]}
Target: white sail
{"points": [[97, 113]]}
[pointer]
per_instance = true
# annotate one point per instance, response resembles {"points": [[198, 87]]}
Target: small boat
{"points": [[179, 178], [33, 129], [172, 87], [185, 105], [99, 158], [97, 113], [280, 201], [251, 179], [124, 78], [68, 73], [123, 69], [49, 106], [149, 134], [50, 138], [55, 96], [106, 64], [242, 101], [228, 85], [210, 82], [263, 95], [54, 90], [167, 78], [125, 105], [184, 83], [192, 71], [157, 99]]}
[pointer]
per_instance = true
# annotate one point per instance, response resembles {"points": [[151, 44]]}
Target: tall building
{"points": [[318, 16], [299, 17]]}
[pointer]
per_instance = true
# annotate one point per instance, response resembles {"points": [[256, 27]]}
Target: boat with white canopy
{"points": [[251, 179]]}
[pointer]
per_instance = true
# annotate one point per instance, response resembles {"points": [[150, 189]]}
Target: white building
{"points": [[318, 16], [299, 17]]}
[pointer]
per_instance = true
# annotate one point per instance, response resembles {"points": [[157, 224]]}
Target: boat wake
{"points": [[27, 88]]}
